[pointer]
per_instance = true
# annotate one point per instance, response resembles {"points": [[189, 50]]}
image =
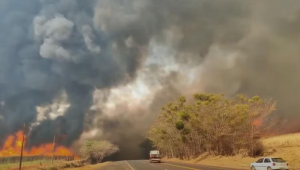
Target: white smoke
{"points": [[54, 109], [53, 32], [88, 38]]}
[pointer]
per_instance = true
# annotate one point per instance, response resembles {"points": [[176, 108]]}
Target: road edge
{"points": [[129, 165], [213, 166]]}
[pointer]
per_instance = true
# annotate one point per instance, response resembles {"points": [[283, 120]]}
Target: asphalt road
{"points": [[146, 165]]}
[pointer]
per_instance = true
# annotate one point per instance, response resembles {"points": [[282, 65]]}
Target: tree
{"points": [[210, 123], [257, 112], [95, 151]]}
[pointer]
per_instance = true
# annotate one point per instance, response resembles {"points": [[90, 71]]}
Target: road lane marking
{"points": [[182, 166], [129, 165]]}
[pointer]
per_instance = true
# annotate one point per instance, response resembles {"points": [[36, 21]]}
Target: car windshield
{"points": [[278, 160]]}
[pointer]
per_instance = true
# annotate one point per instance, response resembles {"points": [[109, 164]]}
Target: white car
{"points": [[269, 163]]}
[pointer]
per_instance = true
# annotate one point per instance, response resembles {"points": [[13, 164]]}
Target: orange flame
{"points": [[13, 144], [256, 123]]}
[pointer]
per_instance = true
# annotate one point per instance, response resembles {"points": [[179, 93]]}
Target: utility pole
{"points": [[252, 140], [233, 143], [23, 139], [53, 149]]}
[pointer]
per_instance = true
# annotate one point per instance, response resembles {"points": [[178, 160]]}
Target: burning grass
{"points": [[13, 144], [32, 157]]}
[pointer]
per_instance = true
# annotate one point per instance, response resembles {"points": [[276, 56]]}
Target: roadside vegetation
{"points": [[284, 146], [212, 124], [28, 164], [90, 152], [95, 151]]}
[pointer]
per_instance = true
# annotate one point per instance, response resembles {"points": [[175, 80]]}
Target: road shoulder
{"points": [[207, 165]]}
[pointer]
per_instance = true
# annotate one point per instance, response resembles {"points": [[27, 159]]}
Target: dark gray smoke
{"points": [[228, 47], [52, 46]]}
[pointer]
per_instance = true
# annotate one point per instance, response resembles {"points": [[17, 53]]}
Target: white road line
{"points": [[129, 165]]}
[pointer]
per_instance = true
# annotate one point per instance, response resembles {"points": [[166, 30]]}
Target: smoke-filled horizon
{"points": [[104, 68]]}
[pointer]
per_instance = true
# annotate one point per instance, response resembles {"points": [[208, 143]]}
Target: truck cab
{"points": [[155, 156]]}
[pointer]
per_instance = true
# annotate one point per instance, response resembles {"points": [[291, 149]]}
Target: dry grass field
{"points": [[26, 165], [282, 141], [284, 146]]}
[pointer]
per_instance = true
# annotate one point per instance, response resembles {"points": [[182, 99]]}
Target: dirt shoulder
{"points": [[91, 167], [79, 164], [229, 162]]}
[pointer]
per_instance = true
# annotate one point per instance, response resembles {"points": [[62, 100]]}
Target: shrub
{"points": [[258, 149], [95, 151]]}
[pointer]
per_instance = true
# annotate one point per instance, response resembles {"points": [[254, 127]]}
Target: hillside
{"points": [[282, 141], [285, 146]]}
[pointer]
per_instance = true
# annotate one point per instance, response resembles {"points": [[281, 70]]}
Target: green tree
{"points": [[257, 118], [210, 123]]}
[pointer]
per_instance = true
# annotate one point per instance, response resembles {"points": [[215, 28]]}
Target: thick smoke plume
{"points": [[49, 47], [103, 68]]}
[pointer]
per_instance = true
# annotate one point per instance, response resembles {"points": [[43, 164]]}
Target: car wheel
{"points": [[253, 168], [269, 168]]}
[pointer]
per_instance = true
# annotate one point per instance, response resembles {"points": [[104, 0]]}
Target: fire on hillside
{"points": [[13, 144]]}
